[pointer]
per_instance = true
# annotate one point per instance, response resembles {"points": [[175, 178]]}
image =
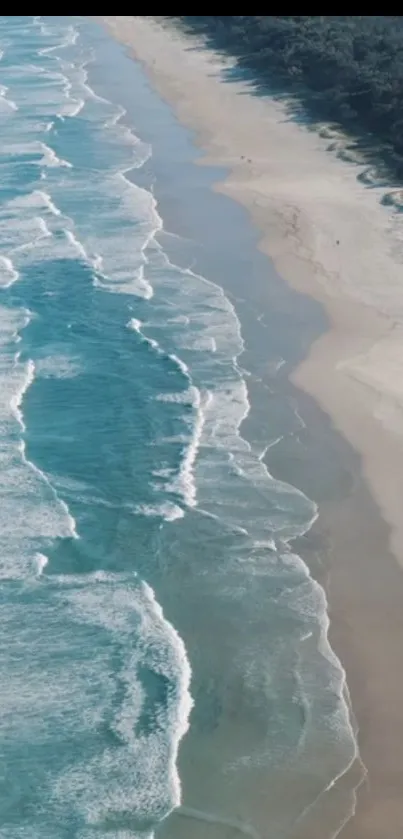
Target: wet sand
{"points": [[329, 236]]}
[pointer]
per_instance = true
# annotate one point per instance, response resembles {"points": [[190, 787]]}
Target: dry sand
{"points": [[329, 236]]}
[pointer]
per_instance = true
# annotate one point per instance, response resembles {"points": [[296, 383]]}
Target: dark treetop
{"points": [[345, 69]]}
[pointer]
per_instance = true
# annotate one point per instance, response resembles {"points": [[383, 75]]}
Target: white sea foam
{"points": [[123, 209], [164, 472], [72, 108], [70, 38], [167, 511], [21, 235], [232, 483], [309, 600], [116, 117], [31, 513], [8, 274], [9, 103], [185, 483], [134, 324], [46, 200], [67, 527], [39, 152], [209, 324], [184, 397], [44, 231], [33, 229], [124, 212], [28, 375], [181, 364], [51, 159], [209, 321], [140, 776], [218, 466], [204, 343], [76, 244], [182, 319], [47, 90], [40, 561], [58, 365]]}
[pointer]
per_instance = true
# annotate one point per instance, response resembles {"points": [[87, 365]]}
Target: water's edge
{"points": [[314, 313], [143, 535]]}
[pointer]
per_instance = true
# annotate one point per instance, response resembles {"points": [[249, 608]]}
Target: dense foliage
{"points": [[347, 69]]}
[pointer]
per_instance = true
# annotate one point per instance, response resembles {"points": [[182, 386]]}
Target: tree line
{"points": [[342, 68]]}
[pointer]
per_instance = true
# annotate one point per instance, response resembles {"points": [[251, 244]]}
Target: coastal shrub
{"points": [[343, 68]]}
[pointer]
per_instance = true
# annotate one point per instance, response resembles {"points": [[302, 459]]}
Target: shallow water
{"points": [[145, 563]]}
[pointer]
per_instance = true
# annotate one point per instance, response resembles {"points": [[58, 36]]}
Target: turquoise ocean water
{"points": [[147, 586]]}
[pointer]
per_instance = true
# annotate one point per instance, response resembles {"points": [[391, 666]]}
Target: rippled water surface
{"points": [[142, 537]]}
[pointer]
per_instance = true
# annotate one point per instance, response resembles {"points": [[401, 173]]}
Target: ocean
{"points": [[163, 648]]}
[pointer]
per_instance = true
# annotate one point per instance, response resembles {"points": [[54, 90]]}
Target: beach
{"points": [[324, 227]]}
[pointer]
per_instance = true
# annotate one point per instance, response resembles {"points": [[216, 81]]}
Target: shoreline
{"points": [[350, 370]]}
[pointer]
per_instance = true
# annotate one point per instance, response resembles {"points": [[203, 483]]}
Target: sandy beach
{"points": [[329, 236]]}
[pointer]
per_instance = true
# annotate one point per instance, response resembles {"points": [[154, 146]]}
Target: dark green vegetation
{"points": [[344, 69]]}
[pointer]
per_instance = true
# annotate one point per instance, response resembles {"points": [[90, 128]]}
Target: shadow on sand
{"points": [[377, 161]]}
